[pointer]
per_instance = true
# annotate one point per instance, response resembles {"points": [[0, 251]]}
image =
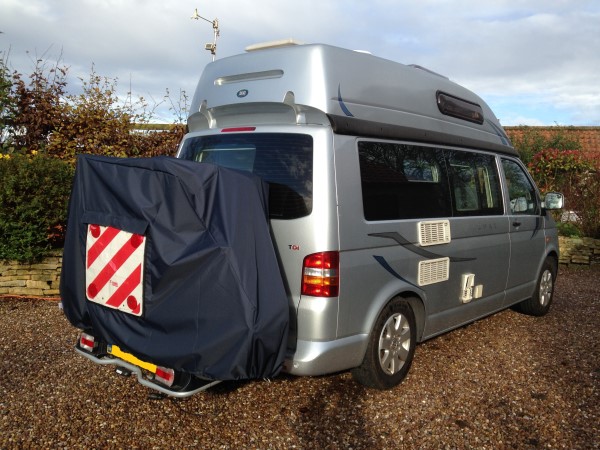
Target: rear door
{"points": [[527, 237], [285, 161]]}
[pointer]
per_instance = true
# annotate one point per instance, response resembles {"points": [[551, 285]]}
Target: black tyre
{"points": [[539, 303], [391, 347]]}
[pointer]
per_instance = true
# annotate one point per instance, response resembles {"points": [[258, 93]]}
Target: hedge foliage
{"points": [[42, 129], [532, 141], [559, 165], [38, 115], [34, 195]]}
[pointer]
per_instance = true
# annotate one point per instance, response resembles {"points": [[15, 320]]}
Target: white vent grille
{"points": [[434, 232], [433, 271]]}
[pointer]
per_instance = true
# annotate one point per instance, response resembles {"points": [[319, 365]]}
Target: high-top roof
{"points": [[354, 92]]}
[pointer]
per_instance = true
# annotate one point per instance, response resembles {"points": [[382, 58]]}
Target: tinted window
{"points": [[475, 184], [282, 160], [521, 192], [402, 181]]}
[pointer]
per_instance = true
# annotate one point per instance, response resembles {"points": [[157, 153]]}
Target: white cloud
{"points": [[540, 56]]}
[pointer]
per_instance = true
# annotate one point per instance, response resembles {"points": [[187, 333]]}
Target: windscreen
{"points": [[283, 160]]}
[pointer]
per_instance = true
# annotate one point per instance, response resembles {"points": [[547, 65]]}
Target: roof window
{"points": [[459, 108]]}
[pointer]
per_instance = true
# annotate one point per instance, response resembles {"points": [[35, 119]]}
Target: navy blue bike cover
{"points": [[214, 301]]}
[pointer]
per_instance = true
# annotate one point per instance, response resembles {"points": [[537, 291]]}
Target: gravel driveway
{"points": [[509, 381]]}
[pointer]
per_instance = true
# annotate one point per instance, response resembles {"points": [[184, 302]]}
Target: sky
{"points": [[535, 62]]}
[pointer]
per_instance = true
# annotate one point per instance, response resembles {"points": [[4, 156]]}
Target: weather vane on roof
{"points": [[212, 47]]}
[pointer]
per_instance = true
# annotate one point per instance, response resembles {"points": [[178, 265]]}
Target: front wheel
{"points": [[391, 347], [539, 303]]}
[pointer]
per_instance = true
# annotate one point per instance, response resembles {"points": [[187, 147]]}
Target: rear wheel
{"points": [[539, 303], [391, 347]]}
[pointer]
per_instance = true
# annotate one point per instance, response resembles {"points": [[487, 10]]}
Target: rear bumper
{"points": [[321, 357], [191, 389]]}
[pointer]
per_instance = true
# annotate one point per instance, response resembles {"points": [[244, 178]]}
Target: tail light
{"points": [[237, 129], [165, 376], [87, 342], [320, 274]]}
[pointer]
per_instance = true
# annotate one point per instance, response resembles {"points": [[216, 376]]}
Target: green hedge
{"points": [[34, 194]]}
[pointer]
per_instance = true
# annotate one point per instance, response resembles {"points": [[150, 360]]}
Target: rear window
{"points": [[283, 160]]}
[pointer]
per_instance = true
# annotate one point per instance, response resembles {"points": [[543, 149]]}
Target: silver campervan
{"points": [[399, 208]]}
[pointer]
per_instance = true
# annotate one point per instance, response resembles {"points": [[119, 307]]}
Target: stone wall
{"points": [[39, 280], [42, 279], [585, 251]]}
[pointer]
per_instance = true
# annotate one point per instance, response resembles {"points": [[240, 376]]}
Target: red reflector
{"points": [[87, 342], [320, 274], [237, 129], [165, 376]]}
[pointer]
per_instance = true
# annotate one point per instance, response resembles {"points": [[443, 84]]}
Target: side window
{"points": [[475, 185], [521, 192], [402, 181]]}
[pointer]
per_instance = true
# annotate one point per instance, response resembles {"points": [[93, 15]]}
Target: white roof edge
{"points": [[273, 44]]}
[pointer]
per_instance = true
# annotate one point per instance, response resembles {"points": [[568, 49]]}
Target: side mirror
{"points": [[554, 200]]}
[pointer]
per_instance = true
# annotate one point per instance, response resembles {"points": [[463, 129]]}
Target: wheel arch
{"points": [[410, 294], [391, 347], [418, 306], [553, 256]]}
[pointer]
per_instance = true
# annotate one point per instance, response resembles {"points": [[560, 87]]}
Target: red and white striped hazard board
{"points": [[114, 267]]}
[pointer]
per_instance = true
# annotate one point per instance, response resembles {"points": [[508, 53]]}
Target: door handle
{"points": [[516, 224]]}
